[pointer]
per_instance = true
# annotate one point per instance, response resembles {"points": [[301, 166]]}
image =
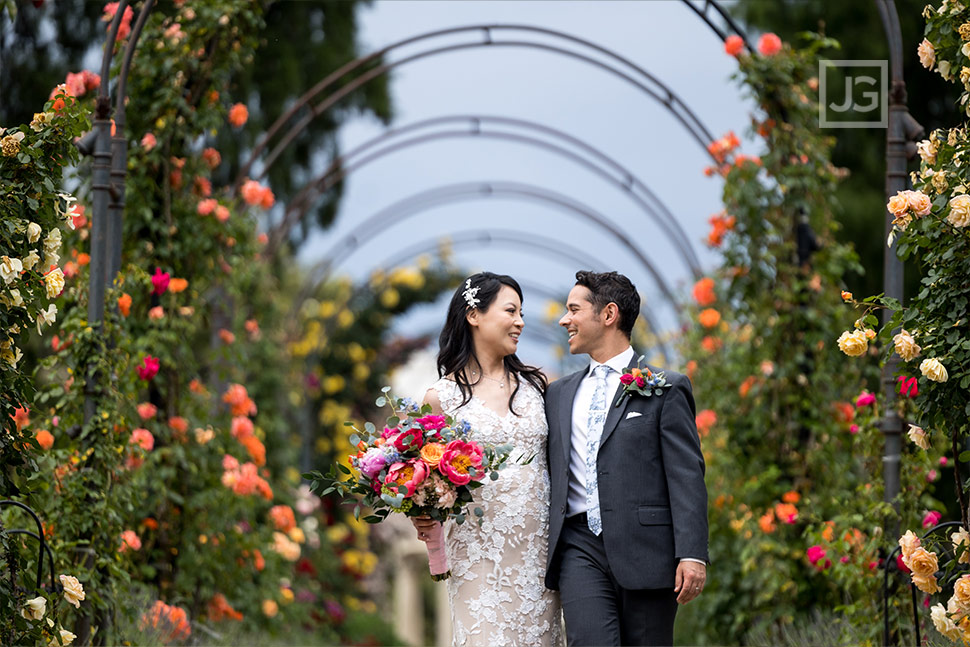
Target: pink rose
{"points": [[242, 427], [148, 142], [640, 381], [908, 386], [160, 281], [815, 554], [146, 410], [901, 565], [865, 399], [458, 461], [432, 423], [129, 541], [853, 429], [408, 475], [931, 519], [627, 379], [150, 368]]}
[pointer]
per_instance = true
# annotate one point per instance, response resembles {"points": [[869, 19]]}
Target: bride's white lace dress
{"points": [[496, 588]]}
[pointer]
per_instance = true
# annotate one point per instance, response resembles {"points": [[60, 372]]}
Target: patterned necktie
{"points": [[594, 429]]}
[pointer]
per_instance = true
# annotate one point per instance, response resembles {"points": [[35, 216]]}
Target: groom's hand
{"points": [[689, 580], [424, 525]]}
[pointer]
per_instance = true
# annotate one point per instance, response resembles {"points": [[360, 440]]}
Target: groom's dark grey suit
{"points": [[653, 505]]}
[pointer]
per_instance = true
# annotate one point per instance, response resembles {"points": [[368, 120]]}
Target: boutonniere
{"points": [[642, 381]]}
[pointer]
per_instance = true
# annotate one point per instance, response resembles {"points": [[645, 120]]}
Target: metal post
{"points": [[901, 129]]}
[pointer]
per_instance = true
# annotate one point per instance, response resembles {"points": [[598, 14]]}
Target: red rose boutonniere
{"points": [[643, 382]]}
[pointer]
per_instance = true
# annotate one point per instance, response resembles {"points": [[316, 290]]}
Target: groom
{"points": [[628, 522]]}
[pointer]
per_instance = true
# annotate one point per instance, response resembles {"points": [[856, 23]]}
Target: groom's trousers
{"points": [[597, 610]]}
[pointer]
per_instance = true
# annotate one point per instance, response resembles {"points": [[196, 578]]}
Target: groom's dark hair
{"points": [[612, 287]]}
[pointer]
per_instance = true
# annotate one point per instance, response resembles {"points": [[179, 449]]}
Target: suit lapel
{"points": [[615, 413], [566, 409]]}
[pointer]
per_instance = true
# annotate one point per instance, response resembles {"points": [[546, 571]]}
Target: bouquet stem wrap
{"points": [[437, 558]]}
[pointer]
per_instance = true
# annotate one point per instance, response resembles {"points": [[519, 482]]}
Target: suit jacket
{"points": [[653, 501]]}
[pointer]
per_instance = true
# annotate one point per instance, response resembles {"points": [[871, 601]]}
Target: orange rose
{"points": [[44, 438], [431, 454], [238, 115], [177, 285], [124, 304], [709, 317]]}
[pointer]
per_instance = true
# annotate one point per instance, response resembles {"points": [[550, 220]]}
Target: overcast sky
{"points": [[588, 103]]}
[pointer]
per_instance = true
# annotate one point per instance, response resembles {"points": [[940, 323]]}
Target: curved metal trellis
{"points": [[413, 205], [43, 547], [536, 243], [614, 172], [633, 74], [704, 14]]}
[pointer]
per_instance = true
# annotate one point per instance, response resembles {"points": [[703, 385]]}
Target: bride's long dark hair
{"points": [[456, 349]]}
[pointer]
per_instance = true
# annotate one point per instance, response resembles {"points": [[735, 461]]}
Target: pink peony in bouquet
{"points": [[419, 465]]}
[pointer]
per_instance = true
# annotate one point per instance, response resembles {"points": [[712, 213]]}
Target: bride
{"points": [[496, 589]]}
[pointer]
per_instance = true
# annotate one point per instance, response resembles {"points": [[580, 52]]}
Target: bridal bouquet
{"points": [[417, 464]]}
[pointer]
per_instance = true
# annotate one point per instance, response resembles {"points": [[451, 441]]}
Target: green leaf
{"points": [[381, 401], [393, 421], [385, 389], [370, 428], [964, 456]]}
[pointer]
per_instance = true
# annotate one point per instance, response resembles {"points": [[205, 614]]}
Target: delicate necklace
{"points": [[501, 383]]}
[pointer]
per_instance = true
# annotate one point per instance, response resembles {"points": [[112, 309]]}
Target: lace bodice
{"points": [[496, 590]]}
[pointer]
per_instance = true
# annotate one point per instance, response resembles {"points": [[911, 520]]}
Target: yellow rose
{"points": [[908, 543], [906, 346], [927, 54], [34, 609], [854, 343], [898, 205], [297, 535], [933, 370], [923, 563], [54, 282], [959, 211], [73, 591], [270, 608], [919, 437], [961, 538]]}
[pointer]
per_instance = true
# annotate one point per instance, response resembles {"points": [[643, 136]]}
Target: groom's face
{"points": [[582, 323]]}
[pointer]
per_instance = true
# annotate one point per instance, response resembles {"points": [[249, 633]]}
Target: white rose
{"points": [[932, 369], [54, 281], [945, 69], [853, 344], [10, 269], [961, 538], [34, 609], [66, 637], [30, 260], [927, 54], [50, 260], [918, 436], [33, 232], [12, 300], [927, 151], [46, 317], [73, 591], [959, 211], [944, 624], [52, 244], [906, 346]]}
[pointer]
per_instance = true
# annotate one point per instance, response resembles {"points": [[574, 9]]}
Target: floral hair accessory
{"points": [[643, 382], [469, 294]]}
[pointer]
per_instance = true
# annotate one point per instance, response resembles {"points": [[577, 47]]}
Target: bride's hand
{"points": [[424, 525]]}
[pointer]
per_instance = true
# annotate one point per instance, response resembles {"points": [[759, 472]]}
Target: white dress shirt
{"points": [[576, 498]]}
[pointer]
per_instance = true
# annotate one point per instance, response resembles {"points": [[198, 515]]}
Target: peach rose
{"points": [[959, 211], [926, 584], [919, 203], [898, 205], [431, 454], [34, 609], [922, 562], [927, 54], [943, 623], [919, 437], [906, 346], [961, 592], [73, 591], [908, 543]]}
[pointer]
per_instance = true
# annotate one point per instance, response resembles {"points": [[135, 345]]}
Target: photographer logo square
{"points": [[853, 94]]}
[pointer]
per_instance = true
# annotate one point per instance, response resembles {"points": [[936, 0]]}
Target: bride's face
{"points": [[496, 330]]}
